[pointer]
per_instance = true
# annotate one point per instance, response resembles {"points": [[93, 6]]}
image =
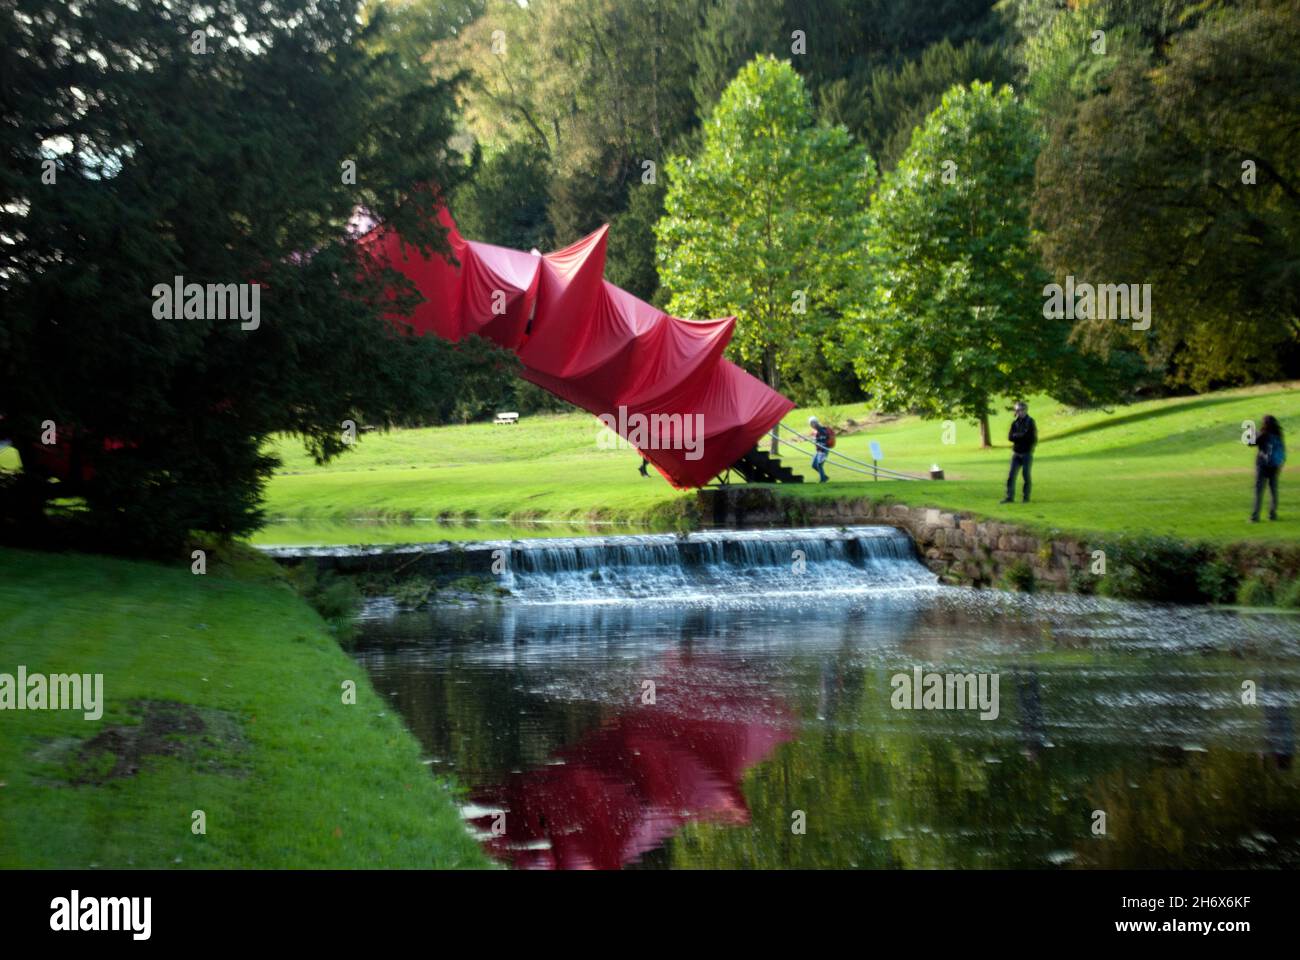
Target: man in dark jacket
{"points": [[1023, 436]]}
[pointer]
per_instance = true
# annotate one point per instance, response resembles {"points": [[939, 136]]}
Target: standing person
{"points": [[645, 467], [1269, 457], [821, 437], [1024, 437]]}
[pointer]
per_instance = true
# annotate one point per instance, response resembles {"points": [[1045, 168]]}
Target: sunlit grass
{"points": [[1174, 466]]}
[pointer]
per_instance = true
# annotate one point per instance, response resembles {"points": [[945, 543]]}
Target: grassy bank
{"points": [[221, 695], [1174, 467]]}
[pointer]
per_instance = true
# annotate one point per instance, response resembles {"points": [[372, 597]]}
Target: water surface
{"points": [[770, 737]]}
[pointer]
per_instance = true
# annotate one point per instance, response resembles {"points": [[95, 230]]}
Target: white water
{"points": [[710, 566]]}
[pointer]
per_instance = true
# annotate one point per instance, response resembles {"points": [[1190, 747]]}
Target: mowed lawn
{"points": [[221, 696], [1175, 466]]}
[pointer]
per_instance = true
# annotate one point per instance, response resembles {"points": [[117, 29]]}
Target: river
{"points": [[748, 702]]}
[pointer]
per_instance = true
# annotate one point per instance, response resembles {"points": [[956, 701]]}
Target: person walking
{"points": [[1024, 437], [1270, 454], [821, 438]]}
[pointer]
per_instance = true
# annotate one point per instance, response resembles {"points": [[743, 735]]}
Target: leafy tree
{"points": [[733, 32], [1185, 176], [601, 85], [956, 316], [630, 250], [884, 107], [504, 199], [145, 142], [767, 222]]}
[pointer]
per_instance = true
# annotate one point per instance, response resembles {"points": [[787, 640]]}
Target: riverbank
{"points": [[223, 695], [1174, 467]]}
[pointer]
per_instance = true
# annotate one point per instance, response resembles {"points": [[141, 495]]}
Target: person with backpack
{"points": [[1270, 454], [824, 439]]}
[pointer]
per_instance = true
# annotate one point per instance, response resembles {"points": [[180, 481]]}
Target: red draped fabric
{"points": [[595, 345]]}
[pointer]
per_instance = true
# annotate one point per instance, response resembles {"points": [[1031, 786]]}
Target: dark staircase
{"points": [[758, 466]]}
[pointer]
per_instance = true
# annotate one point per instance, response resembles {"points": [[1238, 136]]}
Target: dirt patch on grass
{"points": [[868, 422], [210, 740]]}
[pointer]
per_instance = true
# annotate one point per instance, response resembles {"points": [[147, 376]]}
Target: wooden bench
{"points": [[509, 418]]}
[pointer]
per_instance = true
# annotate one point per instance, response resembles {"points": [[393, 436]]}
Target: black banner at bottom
{"points": [[335, 909]]}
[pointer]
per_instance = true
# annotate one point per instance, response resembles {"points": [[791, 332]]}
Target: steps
{"points": [[759, 466]]}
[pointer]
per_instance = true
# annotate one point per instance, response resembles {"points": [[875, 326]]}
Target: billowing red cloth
{"points": [[596, 346]]}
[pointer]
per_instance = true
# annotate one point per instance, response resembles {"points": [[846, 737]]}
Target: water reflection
{"points": [[766, 708], [627, 785]]}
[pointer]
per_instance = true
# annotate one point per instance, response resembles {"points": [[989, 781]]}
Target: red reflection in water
{"points": [[626, 787]]}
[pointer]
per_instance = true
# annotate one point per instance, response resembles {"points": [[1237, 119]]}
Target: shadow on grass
{"points": [[1167, 409]]}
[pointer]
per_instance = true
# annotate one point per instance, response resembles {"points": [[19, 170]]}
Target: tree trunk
{"points": [[984, 431]]}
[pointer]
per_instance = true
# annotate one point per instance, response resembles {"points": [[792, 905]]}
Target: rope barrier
{"points": [[872, 468]]}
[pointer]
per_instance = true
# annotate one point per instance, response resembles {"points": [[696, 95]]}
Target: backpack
{"points": [[1276, 453], [830, 437]]}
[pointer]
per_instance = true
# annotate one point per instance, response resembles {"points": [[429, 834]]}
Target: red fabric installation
{"points": [[658, 381]]}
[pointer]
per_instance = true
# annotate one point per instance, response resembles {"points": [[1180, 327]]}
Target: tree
{"points": [[603, 86], [1185, 176], [956, 315], [767, 222], [884, 107], [733, 32], [504, 200], [226, 145]]}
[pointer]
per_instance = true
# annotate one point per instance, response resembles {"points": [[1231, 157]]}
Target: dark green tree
{"points": [[884, 107], [225, 144], [504, 200], [1185, 176]]}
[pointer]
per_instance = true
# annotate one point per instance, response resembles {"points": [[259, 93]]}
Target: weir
{"points": [[702, 565]]}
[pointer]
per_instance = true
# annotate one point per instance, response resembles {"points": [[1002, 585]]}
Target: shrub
{"points": [[1161, 569], [1082, 581], [1020, 576], [1288, 595], [334, 597], [1255, 592], [1218, 581]]}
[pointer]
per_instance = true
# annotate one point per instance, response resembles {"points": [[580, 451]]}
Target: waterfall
{"points": [[707, 565]]}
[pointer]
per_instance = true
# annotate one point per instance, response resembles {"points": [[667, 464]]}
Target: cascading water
{"points": [[710, 565]]}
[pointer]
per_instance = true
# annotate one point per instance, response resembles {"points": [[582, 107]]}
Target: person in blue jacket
{"points": [[1270, 454]]}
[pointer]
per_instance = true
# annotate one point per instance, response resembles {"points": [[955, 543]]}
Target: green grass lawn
{"points": [[286, 773], [1172, 466], [1166, 466]]}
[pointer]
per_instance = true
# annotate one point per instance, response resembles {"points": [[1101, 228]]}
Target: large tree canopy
{"points": [[767, 222], [1187, 177], [227, 144], [956, 316]]}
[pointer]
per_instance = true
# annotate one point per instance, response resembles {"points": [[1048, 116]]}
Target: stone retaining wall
{"points": [[959, 547]]}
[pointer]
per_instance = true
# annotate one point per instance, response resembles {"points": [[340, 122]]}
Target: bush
{"points": [[1020, 576], [334, 597], [1255, 592], [1288, 595], [1082, 581], [1161, 569], [1218, 581]]}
